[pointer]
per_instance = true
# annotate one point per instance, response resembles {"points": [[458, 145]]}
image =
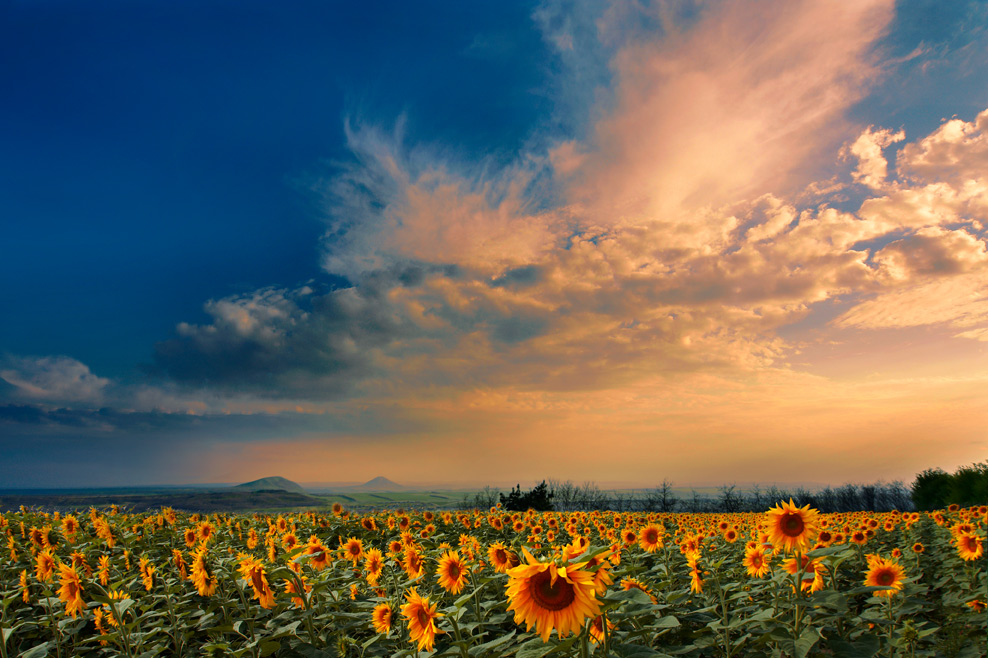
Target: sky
{"points": [[485, 243]]}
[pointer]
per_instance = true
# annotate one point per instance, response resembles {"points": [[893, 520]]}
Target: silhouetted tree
{"points": [[538, 498], [931, 489]]}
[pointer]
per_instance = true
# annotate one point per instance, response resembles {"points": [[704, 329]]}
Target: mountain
{"points": [[379, 484], [274, 483]]}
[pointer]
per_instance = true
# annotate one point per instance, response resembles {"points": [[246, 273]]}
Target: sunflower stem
{"points": [[725, 619], [459, 638], [797, 606], [54, 627]]}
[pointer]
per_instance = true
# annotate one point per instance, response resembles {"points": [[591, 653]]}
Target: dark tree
{"points": [[931, 489], [539, 498]]}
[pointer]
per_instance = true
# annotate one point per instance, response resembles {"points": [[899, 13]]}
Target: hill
{"points": [[379, 484], [273, 483]]}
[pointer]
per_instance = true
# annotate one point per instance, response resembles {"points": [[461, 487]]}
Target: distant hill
{"points": [[379, 484], [274, 483]]}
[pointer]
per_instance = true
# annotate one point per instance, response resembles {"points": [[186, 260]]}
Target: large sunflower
{"points": [[501, 558], [373, 565], [792, 528], [204, 580], [44, 566], [421, 620], [756, 562], [650, 537], [452, 572], [381, 618], [969, 547], [70, 590], [252, 570], [353, 549], [884, 573], [320, 554], [548, 596]]}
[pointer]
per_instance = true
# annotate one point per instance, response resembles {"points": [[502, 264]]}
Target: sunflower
{"points": [[413, 563], [977, 605], [757, 562], [206, 530], [70, 525], [918, 547], [44, 566], [452, 572], [421, 620], [204, 580], [252, 570], [381, 618], [501, 558], [320, 554], [70, 590], [289, 541], [969, 547], [373, 565], [650, 538], [190, 537], [548, 596], [292, 590], [884, 573], [630, 583], [792, 528], [859, 537], [147, 573], [813, 571], [353, 549], [25, 590], [597, 629], [177, 558]]}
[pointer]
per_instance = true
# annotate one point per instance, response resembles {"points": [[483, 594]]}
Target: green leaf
{"points": [[667, 621], [39, 651], [535, 649], [806, 640], [493, 644], [865, 647]]}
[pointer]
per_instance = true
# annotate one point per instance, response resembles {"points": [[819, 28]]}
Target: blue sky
{"points": [[239, 229]]}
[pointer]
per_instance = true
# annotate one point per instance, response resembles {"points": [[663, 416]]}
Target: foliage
{"points": [[666, 583], [539, 498], [935, 488]]}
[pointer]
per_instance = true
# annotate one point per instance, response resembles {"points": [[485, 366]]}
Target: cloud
{"points": [[731, 104], [392, 207], [872, 166], [53, 378], [956, 153]]}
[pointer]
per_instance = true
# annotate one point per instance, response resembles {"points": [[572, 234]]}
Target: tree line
{"points": [[932, 489]]}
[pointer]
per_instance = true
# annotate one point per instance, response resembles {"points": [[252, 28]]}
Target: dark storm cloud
{"points": [[287, 342]]}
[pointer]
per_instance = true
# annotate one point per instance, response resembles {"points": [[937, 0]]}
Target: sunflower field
{"points": [[476, 583]]}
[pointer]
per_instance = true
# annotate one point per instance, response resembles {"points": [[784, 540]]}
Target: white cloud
{"points": [[54, 379]]}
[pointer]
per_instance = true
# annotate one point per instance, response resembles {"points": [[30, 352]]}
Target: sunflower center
{"points": [[499, 556], [885, 578], [454, 571], [651, 536], [792, 525], [549, 596], [424, 618]]}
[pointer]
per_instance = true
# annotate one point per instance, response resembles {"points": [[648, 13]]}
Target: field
{"points": [[788, 582]]}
